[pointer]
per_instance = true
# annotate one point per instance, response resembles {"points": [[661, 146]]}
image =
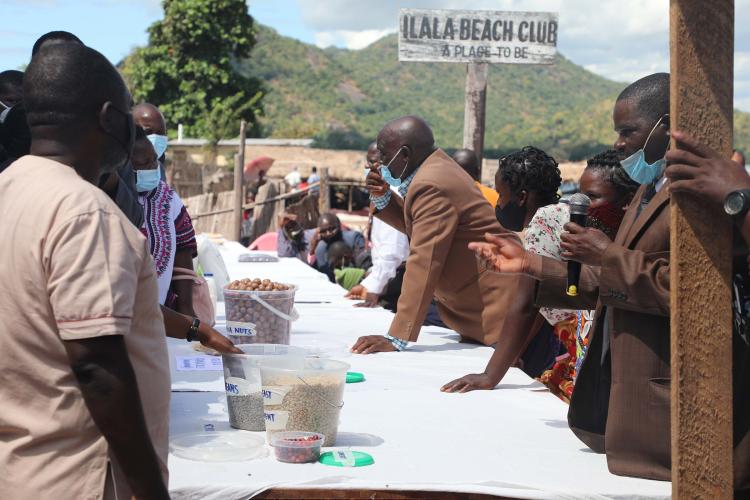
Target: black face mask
{"points": [[511, 216]]}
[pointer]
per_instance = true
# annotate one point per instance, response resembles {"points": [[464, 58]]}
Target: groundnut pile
{"points": [[249, 321], [258, 285]]}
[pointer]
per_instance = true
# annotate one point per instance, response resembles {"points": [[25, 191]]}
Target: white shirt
{"points": [[390, 248], [293, 178]]}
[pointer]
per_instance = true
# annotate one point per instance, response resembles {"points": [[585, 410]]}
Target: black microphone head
{"points": [[579, 204]]}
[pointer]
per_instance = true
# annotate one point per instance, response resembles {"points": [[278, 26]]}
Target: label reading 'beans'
{"points": [[276, 420], [241, 329], [274, 395], [235, 386]]}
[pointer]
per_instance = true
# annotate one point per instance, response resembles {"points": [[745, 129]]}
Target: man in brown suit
{"points": [[621, 401], [442, 211]]}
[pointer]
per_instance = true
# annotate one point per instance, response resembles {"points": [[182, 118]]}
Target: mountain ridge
{"points": [[342, 97]]}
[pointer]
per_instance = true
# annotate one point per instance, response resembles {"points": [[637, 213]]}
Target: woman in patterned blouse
{"points": [[525, 183], [167, 227]]}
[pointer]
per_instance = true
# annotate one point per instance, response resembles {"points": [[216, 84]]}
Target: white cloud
{"points": [[621, 41], [354, 40]]}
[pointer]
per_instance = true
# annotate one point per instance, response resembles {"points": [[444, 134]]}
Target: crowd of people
{"points": [[98, 269]]}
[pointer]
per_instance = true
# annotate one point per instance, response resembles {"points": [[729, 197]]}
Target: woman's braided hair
{"points": [[607, 163], [531, 169]]}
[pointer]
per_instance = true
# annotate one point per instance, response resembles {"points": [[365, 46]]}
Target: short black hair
{"points": [[607, 163], [11, 80], [649, 95], [314, 169], [467, 159], [533, 170], [68, 83], [63, 36]]}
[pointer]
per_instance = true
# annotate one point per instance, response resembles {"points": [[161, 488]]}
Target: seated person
{"points": [[340, 259], [467, 160], [329, 231], [291, 239]]}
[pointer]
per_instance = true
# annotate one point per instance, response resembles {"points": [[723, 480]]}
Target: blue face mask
{"points": [[159, 142], [386, 172], [147, 180], [638, 169]]}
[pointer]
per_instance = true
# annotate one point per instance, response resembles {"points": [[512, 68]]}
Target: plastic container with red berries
{"points": [[297, 447]]}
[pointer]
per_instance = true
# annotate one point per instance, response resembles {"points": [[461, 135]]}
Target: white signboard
{"points": [[466, 36]]}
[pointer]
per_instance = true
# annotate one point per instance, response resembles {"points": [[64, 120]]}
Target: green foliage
{"points": [[342, 98], [189, 69]]}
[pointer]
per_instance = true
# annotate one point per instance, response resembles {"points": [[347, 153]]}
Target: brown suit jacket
{"points": [[621, 401], [444, 211]]}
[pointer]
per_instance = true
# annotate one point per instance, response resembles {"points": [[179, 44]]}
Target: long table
{"points": [[510, 442]]}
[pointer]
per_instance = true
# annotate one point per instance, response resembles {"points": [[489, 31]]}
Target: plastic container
{"points": [[243, 383], [255, 317], [218, 446], [308, 399], [209, 260], [297, 447]]}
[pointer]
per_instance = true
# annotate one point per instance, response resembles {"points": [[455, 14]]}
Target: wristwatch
{"points": [[192, 333], [737, 203]]}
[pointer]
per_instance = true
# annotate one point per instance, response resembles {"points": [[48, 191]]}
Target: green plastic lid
{"points": [[354, 377], [342, 458]]}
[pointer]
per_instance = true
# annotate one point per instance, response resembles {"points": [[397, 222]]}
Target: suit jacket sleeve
{"points": [[635, 280], [393, 213], [434, 224], [553, 283]]}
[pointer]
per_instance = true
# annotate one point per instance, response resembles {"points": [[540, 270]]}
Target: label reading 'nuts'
{"points": [[241, 329]]}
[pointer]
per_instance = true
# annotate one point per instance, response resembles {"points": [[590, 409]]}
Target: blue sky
{"points": [[618, 40]]}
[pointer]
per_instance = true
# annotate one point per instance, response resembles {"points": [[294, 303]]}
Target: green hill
{"points": [[342, 98]]}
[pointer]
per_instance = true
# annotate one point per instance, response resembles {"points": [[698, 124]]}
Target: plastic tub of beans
{"points": [[243, 384], [307, 399], [259, 311], [297, 447]]}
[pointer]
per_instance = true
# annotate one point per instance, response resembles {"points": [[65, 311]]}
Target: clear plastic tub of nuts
{"points": [[259, 311]]}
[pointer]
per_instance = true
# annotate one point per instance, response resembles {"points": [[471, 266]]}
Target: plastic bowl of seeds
{"points": [[297, 447]]}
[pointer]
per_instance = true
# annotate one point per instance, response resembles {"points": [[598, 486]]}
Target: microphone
{"points": [[579, 207]]}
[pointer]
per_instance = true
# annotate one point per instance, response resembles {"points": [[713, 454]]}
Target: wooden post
{"points": [[474, 109], [701, 51], [239, 165], [324, 201]]}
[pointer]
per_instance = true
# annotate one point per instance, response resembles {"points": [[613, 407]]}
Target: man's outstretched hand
{"points": [[501, 254], [370, 344]]}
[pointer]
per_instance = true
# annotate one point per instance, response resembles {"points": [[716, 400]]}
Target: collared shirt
{"points": [[382, 201], [390, 247], [73, 268]]}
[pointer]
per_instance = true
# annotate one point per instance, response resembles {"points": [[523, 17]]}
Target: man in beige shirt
{"points": [[85, 392]]}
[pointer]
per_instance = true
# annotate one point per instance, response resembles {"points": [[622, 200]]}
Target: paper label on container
{"points": [[242, 328], [197, 363], [276, 420], [239, 387], [274, 395]]}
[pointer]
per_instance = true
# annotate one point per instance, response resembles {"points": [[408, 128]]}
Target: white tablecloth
{"points": [[513, 441]]}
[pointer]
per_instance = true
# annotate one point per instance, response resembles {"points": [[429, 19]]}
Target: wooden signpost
{"points": [[477, 38], [701, 52]]}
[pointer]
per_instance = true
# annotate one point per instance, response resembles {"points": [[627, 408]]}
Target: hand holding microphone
{"points": [[579, 208], [581, 244]]}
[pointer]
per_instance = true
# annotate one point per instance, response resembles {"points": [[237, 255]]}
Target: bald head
{"points": [[405, 143], [467, 159], [148, 117], [329, 227]]}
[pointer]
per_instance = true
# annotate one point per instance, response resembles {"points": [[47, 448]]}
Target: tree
{"points": [[189, 67]]}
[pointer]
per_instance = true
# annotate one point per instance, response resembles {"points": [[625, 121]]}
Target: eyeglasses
{"points": [[328, 230]]}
